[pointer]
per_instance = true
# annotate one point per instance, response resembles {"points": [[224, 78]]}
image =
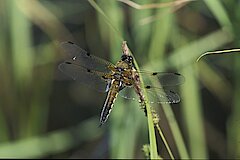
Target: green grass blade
{"points": [[192, 50], [220, 14], [21, 41], [160, 35], [107, 20], [22, 58], [233, 123], [52, 143], [4, 70], [192, 114], [177, 135]]}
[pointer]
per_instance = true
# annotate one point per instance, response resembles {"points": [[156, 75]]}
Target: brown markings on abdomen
{"points": [[111, 97]]}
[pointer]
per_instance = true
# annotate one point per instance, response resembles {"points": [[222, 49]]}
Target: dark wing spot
{"points": [[88, 54], [148, 87], [154, 73], [68, 62], [177, 74], [88, 70], [70, 42]]}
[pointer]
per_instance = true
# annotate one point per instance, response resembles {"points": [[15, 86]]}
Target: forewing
{"points": [[85, 59]]}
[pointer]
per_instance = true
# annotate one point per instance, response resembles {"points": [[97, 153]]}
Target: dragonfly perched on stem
{"points": [[104, 76]]}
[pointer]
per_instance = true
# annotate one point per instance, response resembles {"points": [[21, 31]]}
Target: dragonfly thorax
{"points": [[118, 76]]}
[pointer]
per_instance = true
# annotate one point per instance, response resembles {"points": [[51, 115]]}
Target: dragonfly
{"points": [[117, 79]]}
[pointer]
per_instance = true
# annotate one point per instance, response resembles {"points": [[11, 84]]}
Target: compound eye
{"points": [[124, 57]]}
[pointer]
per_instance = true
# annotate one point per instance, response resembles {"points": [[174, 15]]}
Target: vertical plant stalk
{"points": [[22, 63], [156, 123], [233, 129], [152, 136]]}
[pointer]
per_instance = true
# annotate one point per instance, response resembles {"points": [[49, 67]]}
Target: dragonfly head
{"points": [[128, 59]]}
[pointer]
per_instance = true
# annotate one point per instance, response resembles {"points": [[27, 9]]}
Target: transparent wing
{"points": [[85, 68], [158, 95], [85, 59], [155, 95], [86, 76], [165, 78]]}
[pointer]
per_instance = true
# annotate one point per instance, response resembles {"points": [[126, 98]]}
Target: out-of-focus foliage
{"points": [[42, 115]]}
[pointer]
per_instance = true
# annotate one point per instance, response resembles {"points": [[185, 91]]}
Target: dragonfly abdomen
{"points": [[111, 97], [138, 90]]}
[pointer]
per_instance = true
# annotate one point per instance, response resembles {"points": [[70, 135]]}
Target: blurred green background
{"points": [[42, 115]]}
